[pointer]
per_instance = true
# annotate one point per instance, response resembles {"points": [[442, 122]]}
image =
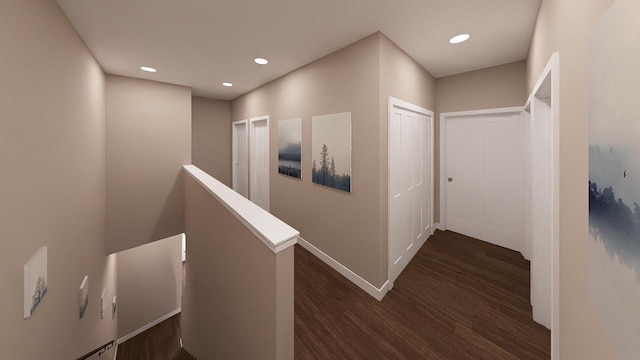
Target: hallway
{"points": [[459, 298]]}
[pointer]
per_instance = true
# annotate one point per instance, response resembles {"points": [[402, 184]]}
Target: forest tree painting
{"points": [[331, 146], [35, 281], [290, 148], [614, 175]]}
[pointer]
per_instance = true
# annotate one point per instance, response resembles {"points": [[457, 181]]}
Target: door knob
{"points": [[450, 179]]}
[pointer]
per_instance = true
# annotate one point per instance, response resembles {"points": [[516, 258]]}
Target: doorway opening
{"points": [[240, 157], [259, 161]]}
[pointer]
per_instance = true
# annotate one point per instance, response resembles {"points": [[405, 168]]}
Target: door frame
{"points": [[397, 103], [234, 153], [444, 117], [252, 179], [551, 75]]}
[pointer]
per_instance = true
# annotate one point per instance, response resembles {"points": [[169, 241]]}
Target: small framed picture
{"points": [[35, 281], [83, 296]]}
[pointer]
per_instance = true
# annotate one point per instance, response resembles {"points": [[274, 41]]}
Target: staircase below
{"points": [[181, 354]]}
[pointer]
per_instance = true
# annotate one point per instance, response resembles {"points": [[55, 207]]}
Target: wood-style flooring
{"points": [[459, 298], [161, 342]]}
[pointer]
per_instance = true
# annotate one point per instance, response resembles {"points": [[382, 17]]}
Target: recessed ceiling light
{"points": [[459, 38], [148, 69], [227, 84], [261, 61]]}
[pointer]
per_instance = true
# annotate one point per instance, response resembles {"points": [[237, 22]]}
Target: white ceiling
{"points": [[202, 43]]}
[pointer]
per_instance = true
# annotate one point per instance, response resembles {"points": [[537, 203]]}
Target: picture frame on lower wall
{"points": [[35, 281], [102, 303], [83, 296]]}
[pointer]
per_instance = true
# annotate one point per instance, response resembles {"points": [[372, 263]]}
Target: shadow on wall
{"points": [[149, 283], [167, 221]]}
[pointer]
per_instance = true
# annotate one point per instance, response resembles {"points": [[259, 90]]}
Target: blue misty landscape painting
{"points": [[614, 209], [290, 148], [614, 176]]}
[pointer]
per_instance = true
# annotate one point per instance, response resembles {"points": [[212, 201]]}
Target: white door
{"points": [[541, 212], [259, 164], [484, 178], [240, 158], [410, 182]]}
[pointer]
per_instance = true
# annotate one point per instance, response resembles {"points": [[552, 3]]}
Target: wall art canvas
{"points": [[290, 148], [114, 307], [83, 296], [102, 304], [35, 281], [614, 175], [331, 146]]}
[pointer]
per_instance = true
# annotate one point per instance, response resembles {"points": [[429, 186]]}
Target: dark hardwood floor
{"points": [[459, 298], [161, 342]]}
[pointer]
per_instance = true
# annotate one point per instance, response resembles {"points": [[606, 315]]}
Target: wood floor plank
{"points": [[459, 298]]}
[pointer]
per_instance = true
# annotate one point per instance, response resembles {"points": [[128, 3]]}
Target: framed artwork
{"points": [[290, 148], [83, 296], [35, 281], [114, 307], [104, 291], [331, 147], [614, 175]]}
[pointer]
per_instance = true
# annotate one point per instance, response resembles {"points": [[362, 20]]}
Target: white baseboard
{"points": [[377, 293], [148, 326], [115, 352], [440, 227]]}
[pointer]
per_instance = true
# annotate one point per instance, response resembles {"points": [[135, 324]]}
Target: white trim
{"points": [[234, 146], [395, 103], [527, 104], [273, 232], [443, 149], [438, 226], [363, 284], [252, 160], [506, 110], [148, 326], [553, 69]]}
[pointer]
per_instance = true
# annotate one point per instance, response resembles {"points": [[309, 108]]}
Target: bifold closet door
{"points": [[410, 186]]}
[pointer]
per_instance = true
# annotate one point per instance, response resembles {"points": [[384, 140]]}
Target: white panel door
{"points": [[240, 158], [259, 170], [485, 178], [410, 186], [541, 210]]}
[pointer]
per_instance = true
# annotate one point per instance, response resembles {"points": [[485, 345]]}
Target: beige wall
{"points": [[495, 87], [211, 137], [343, 225], [564, 26], [52, 183], [404, 79], [148, 141], [351, 228], [149, 283], [226, 303]]}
